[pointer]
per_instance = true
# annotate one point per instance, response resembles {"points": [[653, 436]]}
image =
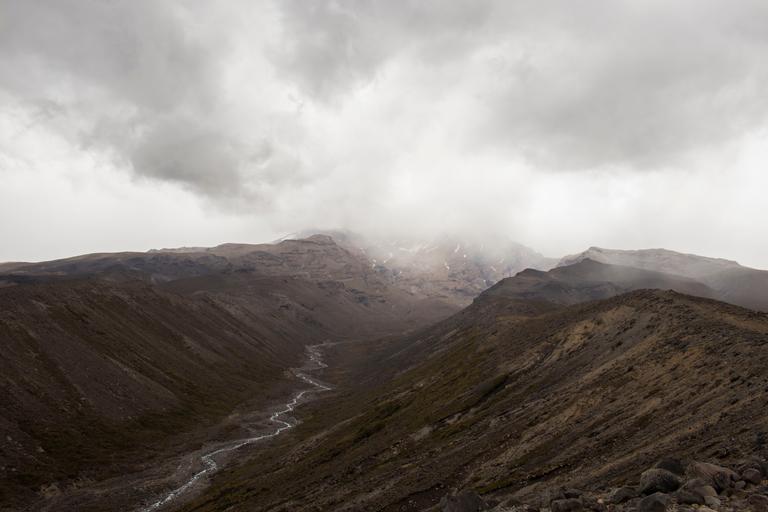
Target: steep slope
{"points": [[590, 280], [508, 398], [729, 281], [95, 374], [453, 269], [111, 360], [317, 258]]}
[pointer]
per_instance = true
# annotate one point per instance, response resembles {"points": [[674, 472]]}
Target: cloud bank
{"points": [[562, 125]]}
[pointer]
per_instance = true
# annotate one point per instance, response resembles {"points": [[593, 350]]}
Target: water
{"points": [[208, 460]]}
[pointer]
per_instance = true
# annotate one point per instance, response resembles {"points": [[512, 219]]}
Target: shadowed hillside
{"points": [[510, 398]]}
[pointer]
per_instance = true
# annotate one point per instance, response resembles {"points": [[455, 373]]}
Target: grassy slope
{"points": [[507, 397]]}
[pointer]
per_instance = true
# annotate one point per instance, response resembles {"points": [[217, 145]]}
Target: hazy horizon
{"points": [[140, 125]]}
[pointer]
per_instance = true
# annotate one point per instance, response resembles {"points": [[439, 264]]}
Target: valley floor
{"points": [[170, 479]]}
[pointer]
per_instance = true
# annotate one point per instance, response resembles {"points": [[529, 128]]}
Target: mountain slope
{"points": [[729, 281], [452, 269], [508, 398], [111, 360], [96, 374], [590, 280]]}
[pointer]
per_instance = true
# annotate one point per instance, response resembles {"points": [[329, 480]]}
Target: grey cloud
{"points": [[643, 90], [571, 85], [138, 51], [138, 80], [329, 48]]}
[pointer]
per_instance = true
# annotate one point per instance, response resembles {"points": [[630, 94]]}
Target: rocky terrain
{"points": [[590, 280], [510, 398], [451, 269], [566, 389], [671, 484], [111, 359]]}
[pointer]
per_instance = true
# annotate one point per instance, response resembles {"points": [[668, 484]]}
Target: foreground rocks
{"points": [[670, 486]]}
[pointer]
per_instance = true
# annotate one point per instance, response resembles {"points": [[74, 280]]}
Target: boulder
{"points": [[754, 463], [658, 480], [699, 487], [717, 476], [688, 497], [671, 464], [657, 502], [621, 495], [566, 505], [592, 503], [712, 501], [752, 475], [465, 501]]}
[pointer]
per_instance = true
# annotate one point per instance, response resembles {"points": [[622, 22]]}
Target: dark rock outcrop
{"points": [[658, 480]]}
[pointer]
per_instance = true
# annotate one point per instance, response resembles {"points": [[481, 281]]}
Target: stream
{"points": [[279, 418]]}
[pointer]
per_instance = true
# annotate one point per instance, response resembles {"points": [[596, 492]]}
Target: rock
{"points": [[658, 480], [706, 490], [513, 505], [758, 502], [551, 495], [654, 503], [693, 483], [592, 503], [465, 501], [671, 464], [711, 501], [566, 505], [688, 497], [752, 475], [754, 463], [717, 476], [699, 487], [741, 484], [571, 493], [622, 494]]}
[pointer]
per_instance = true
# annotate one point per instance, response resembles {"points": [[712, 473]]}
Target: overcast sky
{"points": [[561, 124]]}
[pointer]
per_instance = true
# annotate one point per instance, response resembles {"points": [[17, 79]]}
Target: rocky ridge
{"points": [[670, 485]]}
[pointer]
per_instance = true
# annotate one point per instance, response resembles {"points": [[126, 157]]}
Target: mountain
{"points": [[590, 280], [452, 269], [510, 398], [317, 259], [448, 270], [730, 281], [118, 372], [110, 360]]}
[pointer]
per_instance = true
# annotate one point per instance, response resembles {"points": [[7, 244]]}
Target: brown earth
{"points": [[512, 397], [118, 369], [111, 362]]}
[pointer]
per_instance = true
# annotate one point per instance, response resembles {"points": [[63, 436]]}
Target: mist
{"points": [[131, 125]]}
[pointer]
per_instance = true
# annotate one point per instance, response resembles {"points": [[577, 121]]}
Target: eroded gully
{"points": [[279, 418]]}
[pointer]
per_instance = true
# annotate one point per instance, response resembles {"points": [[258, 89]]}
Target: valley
{"points": [[302, 375]]}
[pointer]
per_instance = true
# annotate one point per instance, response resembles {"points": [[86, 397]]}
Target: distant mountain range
{"points": [[728, 281]]}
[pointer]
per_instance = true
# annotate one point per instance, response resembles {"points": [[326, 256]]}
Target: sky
{"points": [[138, 124]]}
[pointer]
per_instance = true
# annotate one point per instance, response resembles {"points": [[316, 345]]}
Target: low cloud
{"points": [[400, 115]]}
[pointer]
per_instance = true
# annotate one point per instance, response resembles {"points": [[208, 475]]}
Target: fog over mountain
{"points": [[383, 255], [141, 124]]}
